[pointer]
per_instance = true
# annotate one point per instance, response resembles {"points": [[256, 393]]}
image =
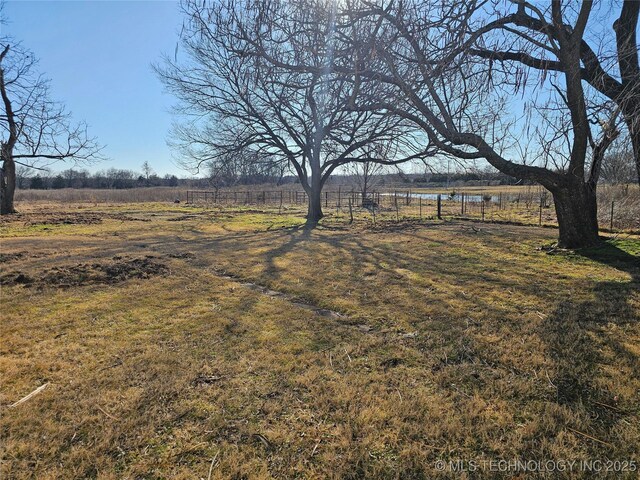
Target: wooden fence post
{"points": [[611, 226], [462, 204], [350, 212], [420, 203], [439, 207], [540, 214]]}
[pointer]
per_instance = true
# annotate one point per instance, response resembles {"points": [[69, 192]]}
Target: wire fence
{"points": [[619, 208]]}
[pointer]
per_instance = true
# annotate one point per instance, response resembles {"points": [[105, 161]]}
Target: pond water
{"points": [[446, 197]]}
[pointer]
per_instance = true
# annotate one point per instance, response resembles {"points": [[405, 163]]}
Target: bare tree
{"points": [[147, 171], [431, 53], [23, 174], [619, 166], [244, 168], [245, 87], [36, 131], [609, 66], [366, 174]]}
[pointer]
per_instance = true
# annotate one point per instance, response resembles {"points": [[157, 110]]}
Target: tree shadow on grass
{"points": [[297, 235], [583, 335]]}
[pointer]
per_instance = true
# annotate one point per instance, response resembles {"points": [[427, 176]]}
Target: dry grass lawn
{"points": [[179, 342]]}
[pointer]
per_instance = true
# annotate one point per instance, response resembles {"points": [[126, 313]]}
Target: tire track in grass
{"points": [[323, 312]]}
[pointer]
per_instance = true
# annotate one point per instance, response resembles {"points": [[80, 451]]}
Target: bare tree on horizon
{"points": [[434, 55], [36, 131], [234, 98]]}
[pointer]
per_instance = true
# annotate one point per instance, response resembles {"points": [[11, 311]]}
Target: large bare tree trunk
{"points": [[314, 186], [7, 187], [577, 212], [314, 210], [634, 133], [8, 174]]}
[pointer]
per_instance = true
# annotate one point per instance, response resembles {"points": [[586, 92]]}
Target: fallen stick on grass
{"points": [[32, 394], [213, 463], [107, 414], [589, 436]]}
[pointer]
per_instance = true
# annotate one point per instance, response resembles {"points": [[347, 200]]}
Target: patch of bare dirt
{"points": [[68, 218], [208, 215], [183, 218], [53, 219], [126, 218], [203, 379], [181, 255], [11, 257], [230, 212], [391, 226], [116, 271], [14, 256]]}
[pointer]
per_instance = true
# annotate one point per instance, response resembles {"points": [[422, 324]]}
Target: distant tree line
{"points": [[112, 178], [115, 178], [493, 176], [619, 169]]}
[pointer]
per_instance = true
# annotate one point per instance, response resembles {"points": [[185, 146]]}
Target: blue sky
{"points": [[98, 55]]}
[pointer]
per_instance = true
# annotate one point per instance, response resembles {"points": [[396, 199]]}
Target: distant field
{"points": [[618, 206], [151, 194], [91, 195], [186, 342], [484, 189]]}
